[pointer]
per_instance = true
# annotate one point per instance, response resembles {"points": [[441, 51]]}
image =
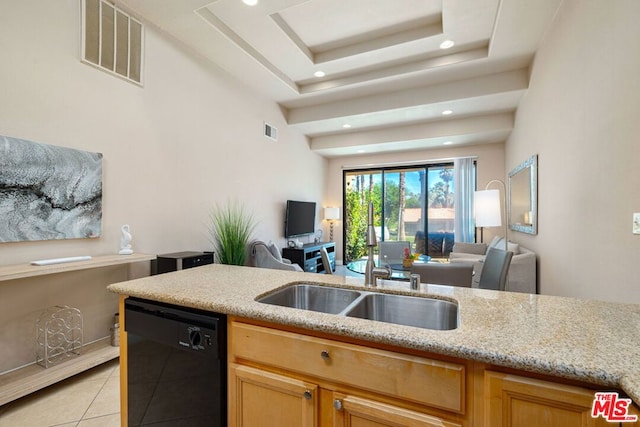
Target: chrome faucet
{"points": [[371, 272], [380, 273]]}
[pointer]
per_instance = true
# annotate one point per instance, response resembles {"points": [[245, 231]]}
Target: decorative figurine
{"points": [[125, 241]]}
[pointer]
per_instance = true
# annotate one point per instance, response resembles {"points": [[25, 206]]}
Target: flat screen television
{"points": [[300, 218]]}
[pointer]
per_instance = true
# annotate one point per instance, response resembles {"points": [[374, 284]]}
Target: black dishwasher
{"points": [[176, 365]]}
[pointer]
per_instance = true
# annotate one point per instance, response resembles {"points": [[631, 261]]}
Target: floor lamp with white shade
{"points": [[488, 208]]}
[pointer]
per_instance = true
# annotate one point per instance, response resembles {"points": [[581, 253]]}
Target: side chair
{"points": [[495, 269], [326, 262], [459, 274]]}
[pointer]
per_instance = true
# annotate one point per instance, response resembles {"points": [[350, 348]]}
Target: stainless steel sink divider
{"points": [[356, 301]]}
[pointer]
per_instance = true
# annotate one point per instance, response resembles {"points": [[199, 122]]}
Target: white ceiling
{"points": [[386, 76]]}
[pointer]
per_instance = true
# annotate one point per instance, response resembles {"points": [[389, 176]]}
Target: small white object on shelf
{"points": [[61, 260], [125, 241]]}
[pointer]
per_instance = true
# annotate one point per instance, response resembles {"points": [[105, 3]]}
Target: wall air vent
{"points": [[112, 40], [270, 132]]}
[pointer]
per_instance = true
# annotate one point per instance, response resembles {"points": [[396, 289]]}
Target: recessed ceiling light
{"points": [[360, 151], [319, 74], [250, 2], [447, 112], [346, 125], [447, 44], [447, 143]]}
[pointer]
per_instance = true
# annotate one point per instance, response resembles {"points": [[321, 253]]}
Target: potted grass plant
{"points": [[230, 230]]}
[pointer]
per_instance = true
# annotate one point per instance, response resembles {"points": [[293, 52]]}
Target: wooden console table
{"points": [[25, 380]]}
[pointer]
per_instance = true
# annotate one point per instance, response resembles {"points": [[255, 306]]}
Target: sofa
{"points": [[522, 270]]}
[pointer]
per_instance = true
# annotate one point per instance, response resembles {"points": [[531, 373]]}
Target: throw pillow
{"points": [[273, 248], [513, 247], [499, 244]]}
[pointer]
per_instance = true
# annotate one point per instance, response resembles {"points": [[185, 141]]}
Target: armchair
{"points": [[264, 255]]}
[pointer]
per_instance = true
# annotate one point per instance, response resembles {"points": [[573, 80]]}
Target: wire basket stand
{"points": [[58, 335]]}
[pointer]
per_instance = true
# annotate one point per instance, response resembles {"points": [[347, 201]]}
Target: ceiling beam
{"points": [[415, 65], [440, 130], [419, 31], [508, 81], [227, 32]]}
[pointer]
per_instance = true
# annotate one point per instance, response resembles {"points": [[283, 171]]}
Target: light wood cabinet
{"points": [[633, 410], [262, 398], [422, 380], [517, 401], [291, 379], [294, 378], [353, 411]]}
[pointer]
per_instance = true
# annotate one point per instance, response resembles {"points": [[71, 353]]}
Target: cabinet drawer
{"points": [[422, 380]]}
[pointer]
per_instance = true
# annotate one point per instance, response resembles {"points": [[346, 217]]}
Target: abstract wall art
{"points": [[48, 192]]}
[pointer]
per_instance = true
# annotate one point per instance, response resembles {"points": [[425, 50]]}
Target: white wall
{"points": [[580, 115], [490, 165], [190, 138]]}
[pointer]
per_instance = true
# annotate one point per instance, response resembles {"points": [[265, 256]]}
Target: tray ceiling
{"points": [[386, 79]]}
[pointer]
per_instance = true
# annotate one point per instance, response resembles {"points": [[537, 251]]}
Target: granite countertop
{"points": [[593, 341]]}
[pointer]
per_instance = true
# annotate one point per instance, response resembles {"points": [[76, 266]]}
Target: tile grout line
{"points": [[77, 423], [5, 409], [95, 397]]}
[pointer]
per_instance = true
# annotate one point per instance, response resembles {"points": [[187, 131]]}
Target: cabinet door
{"points": [[515, 401], [351, 411], [260, 398], [633, 411]]}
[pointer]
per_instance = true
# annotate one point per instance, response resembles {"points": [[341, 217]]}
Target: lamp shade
{"points": [[331, 213], [487, 207]]}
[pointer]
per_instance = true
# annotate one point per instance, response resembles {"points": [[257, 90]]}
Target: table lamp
{"points": [[331, 214]]}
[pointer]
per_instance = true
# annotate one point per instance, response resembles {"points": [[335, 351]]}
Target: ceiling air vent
{"points": [[112, 40], [270, 132]]}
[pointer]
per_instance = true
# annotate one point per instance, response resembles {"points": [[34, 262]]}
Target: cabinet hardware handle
{"points": [[308, 395], [337, 404], [325, 355]]}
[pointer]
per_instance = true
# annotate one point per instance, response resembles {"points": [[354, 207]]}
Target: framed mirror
{"points": [[523, 197]]}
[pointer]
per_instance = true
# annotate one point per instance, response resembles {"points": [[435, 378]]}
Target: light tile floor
{"points": [[90, 399]]}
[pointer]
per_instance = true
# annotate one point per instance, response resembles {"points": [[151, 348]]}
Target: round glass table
{"points": [[398, 272]]}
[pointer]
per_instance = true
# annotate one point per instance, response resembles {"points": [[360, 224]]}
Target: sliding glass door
{"points": [[414, 204], [403, 195], [440, 212]]}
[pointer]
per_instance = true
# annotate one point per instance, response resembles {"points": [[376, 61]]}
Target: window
{"points": [[112, 40], [414, 204]]}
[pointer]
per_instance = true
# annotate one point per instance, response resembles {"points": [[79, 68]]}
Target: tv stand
{"points": [[308, 256]]}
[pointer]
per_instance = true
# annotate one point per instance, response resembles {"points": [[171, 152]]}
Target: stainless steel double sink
{"points": [[427, 313]]}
